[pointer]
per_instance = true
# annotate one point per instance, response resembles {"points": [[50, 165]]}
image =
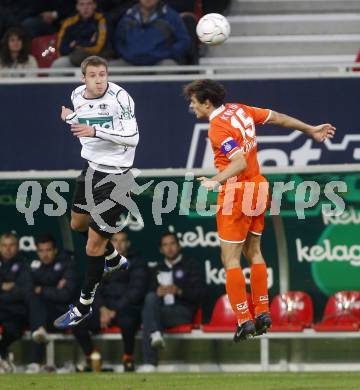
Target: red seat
{"points": [[198, 9], [187, 328], [44, 50], [291, 312], [342, 313], [111, 330], [223, 318]]}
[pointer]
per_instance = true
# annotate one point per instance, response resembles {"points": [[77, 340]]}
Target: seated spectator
{"points": [[115, 9], [7, 20], [15, 285], [46, 15], [186, 10], [82, 35], [15, 52], [119, 300], [151, 33], [176, 290], [55, 284], [215, 6]]}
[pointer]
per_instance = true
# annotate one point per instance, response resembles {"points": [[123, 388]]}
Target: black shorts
{"points": [[99, 194]]}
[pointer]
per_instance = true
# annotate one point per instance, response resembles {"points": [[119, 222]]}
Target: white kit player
{"points": [[104, 121]]}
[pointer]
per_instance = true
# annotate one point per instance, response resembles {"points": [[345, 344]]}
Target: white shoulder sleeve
{"points": [[72, 118]]}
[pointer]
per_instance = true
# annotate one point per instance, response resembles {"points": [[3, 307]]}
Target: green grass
{"points": [[183, 381]]}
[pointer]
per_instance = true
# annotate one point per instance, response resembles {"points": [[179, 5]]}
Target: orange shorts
{"points": [[241, 209]]}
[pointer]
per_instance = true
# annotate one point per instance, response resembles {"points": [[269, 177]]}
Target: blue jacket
{"points": [[163, 36]]}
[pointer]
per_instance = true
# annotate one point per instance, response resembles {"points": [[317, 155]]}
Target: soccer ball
{"points": [[213, 29]]}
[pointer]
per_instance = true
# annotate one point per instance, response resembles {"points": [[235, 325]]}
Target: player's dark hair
{"points": [[167, 234], [93, 61], [45, 239], [206, 89], [5, 54]]}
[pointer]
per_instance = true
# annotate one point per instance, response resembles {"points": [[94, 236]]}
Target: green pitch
{"points": [[183, 381]]}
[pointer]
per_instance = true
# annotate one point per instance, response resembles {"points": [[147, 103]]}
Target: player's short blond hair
{"points": [[93, 61]]}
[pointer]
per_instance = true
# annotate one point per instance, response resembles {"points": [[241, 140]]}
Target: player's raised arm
{"points": [[320, 132]]}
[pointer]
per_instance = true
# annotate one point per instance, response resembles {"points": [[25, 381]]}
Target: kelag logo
{"points": [[335, 258], [281, 149]]}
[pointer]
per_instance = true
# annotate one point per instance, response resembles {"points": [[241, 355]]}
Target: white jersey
{"points": [[112, 115]]}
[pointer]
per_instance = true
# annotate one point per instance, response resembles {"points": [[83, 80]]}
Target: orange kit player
{"points": [[233, 139]]}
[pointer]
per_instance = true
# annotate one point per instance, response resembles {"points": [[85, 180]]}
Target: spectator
{"points": [[82, 35], [16, 10], [176, 290], [120, 300], [46, 15], [7, 20], [215, 6], [115, 9], [55, 284], [151, 33], [15, 285], [15, 51], [186, 10]]}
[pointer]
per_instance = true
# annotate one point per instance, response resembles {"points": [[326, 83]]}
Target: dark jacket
{"points": [[182, 5], [15, 270], [64, 8], [23, 9], [163, 36], [48, 276], [115, 9], [89, 34], [186, 276], [124, 288]]}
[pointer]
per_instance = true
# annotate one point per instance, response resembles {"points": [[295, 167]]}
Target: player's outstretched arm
{"points": [[236, 166], [320, 133]]}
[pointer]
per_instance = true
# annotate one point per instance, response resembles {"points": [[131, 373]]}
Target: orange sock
{"points": [[236, 291], [259, 289]]}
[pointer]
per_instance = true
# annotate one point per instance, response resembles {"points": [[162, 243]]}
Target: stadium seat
{"points": [[342, 313], [43, 49], [223, 318], [291, 312], [187, 328], [111, 330], [198, 9]]}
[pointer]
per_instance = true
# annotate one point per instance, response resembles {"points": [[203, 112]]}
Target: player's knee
{"points": [[253, 255], [230, 262], [94, 248], [76, 225]]}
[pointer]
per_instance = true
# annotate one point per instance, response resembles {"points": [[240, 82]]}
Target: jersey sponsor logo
{"points": [[57, 267], [293, 149], [35, 264], [106, 122], [179, 274]]}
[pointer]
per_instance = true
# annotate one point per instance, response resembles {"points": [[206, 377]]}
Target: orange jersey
{"points": [[232, 130]]}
